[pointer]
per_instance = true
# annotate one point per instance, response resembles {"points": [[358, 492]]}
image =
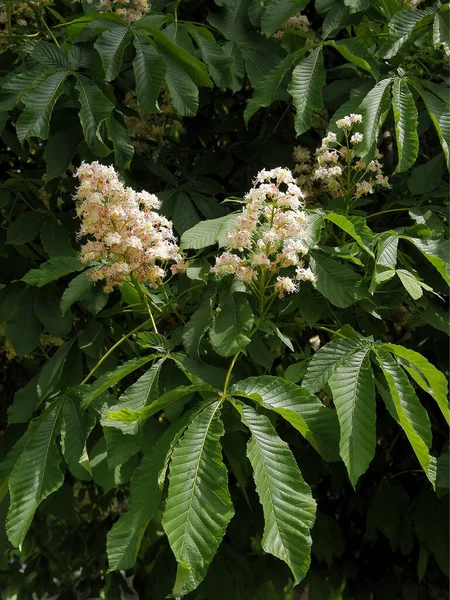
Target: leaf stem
{"points": [[330, 331], [111, 350], [227, 378], [44, 23], [144, 299], [383, 212]]}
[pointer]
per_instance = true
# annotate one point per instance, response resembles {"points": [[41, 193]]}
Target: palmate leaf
{"points": [[149, 71], [288, 506], [39, 102], [326, 360], [111, 45], [308, 79], [354, 397], [266, 91], [125, 537], [198, 507], [51, 57], [374, 109], [232, 324], [411, 415], [35, 475], [406, 121], [95, 108], [15, 86], [303, 410], [424, 374]]}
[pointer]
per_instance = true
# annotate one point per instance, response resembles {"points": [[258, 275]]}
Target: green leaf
{"points": [[326, 360], [441, 31], [425, 178], [354, 397], [424, 374], [354, 226], [275, 12], [125, 537], [410, 283], [183, 91], [267, 89], [39, 103], [232, 324], [198, 507], [355, 52], [121, 447], [52, 370], [46, 308], [288, 506], [17, 84], [35, 475], [406, 121], [149, 71], [25, 228], [52, 269], [198, 324], [142, 393], [95, 108], [374, 109], [303, 410], [118, 134], [22, 326], [401, 28], [337, 282], [412, 416], [308, 79], [130, 416], [207, 233], [59, 151], [51, 57], [440, 115], [436, 251], [111, 45], [75, 429], [175, 54], [112, 377], [213, 55], [56, 239], [78, 288], [25, 402]]}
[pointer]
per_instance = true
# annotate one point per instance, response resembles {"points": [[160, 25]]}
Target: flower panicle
{"points": [[126, 237]]}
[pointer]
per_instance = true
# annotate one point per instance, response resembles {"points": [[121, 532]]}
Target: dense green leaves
{"points": [[111, 46], [337, 282], [232, 324], [198, 506], [149, 70], [95, 108]]}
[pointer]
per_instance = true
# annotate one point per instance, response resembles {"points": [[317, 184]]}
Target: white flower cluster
{"points": [[23, 13], [130, 10], [337, 168], [299, 22], [268, 236], [126, 236]]}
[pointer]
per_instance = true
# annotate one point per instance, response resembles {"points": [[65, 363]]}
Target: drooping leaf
{"points": [[424, 374], [440, 115], [53, 369], [308, 79], [118, 134], [183, 91], [95, 108], [14, 87], [327, 359], [441, 31], [149, 71], [410, 283], [35, 475], [75, 428], [125, 537], [39, 103], [213, 55], [232, 324], [22, 327], [355, 52], [406, 120], [59, 151], [303, 410], [412, 416], [198, 507], [53, 269], [288, 506], [354, 397], [197, 325], [111, 45], [374, 109]]}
